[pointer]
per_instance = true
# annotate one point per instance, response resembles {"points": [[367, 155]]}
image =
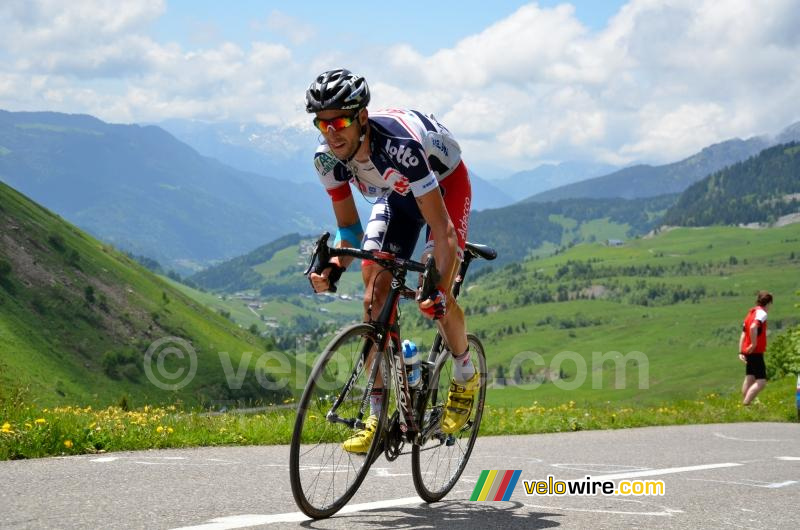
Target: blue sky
{"points": [[519, 83], [428, 25]]}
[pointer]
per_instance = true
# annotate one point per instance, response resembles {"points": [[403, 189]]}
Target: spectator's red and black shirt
{"points": [[759, 315]]}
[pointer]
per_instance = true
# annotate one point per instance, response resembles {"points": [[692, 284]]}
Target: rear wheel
{"points": [[323, 475], [437, 464]]}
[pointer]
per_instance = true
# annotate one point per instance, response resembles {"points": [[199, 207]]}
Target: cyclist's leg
{"points": [[457, 195], [394, 226], [390, 229]]}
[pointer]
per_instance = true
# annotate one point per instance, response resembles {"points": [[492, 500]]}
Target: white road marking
{"points": [[529, 459], [165, 461], [782, 484], [726, 437], [748, 482], [788, 458], [243, 521], [385, 472], [666, 471], [595, 468], [667, 512]]}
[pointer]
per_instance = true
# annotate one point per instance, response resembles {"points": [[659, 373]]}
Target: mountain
{"points": [[486, 194], [146, 192], [522, 229], [650, 181], [77, 318], [286, 153], [759, 190], [240, 274], [549, 176], [283, 152]]}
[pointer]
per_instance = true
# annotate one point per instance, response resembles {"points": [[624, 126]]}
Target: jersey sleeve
{"points": [[333, 175], [761, 315]]}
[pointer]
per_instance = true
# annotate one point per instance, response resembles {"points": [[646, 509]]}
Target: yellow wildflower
{"points": [[68, 444], [6, 427], [40, 421], [160, 428], [170, 430]]}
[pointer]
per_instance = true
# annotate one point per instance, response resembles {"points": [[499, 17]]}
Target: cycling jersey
{"points": [[410, 152]]}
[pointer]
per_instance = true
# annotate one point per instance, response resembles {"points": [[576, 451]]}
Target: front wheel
{"points": [[323, 475], [437, 464]]}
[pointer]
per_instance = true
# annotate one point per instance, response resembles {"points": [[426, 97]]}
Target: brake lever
{"points": [[430, 280], [321, 255]]}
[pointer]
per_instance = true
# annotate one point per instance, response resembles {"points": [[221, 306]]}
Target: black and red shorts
{"points": [[395, 222]]}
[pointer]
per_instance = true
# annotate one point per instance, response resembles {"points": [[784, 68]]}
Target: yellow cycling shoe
{"points": [[459, 403], [359, 443]]}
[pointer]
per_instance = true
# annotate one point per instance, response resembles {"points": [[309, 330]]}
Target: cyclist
{"points": [[411, 165]]}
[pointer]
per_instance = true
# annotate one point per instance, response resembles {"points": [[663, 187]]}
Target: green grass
{"points": [[54, 336], [30, 432], [58, 339], [689, 346]]}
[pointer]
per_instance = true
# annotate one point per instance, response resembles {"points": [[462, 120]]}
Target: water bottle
{"points": [[411, 358]]}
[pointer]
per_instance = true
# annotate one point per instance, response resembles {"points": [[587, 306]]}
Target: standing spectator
{"points": [[752, 345]]}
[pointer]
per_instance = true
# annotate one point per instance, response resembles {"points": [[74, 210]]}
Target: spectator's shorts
{"points": [[756, 366]]}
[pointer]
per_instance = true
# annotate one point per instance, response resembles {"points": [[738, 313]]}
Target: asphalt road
{"points": [[716, 476]]}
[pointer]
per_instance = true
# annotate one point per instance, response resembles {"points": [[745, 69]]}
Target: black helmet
{"points": [[338, 89]]}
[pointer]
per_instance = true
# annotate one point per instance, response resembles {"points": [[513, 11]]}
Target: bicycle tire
{"points": [[437, 465], [316, 458]]}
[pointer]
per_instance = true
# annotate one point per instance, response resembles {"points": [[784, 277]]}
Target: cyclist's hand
{"points": [[326, 281], [435, 306]]}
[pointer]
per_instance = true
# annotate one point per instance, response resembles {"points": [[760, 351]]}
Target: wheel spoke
{"points": [[324, 476], [436, 466]]}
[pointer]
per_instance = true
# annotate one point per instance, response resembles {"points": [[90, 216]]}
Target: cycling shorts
{"points": [[395, 221]]}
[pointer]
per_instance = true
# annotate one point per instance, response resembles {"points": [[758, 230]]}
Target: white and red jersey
{"points": [[410, 152]]}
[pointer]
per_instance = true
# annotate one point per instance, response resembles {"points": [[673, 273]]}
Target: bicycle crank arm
{"points": [[353, 423]]}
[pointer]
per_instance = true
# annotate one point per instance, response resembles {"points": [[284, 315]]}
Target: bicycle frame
{"points": [[388, 333]]}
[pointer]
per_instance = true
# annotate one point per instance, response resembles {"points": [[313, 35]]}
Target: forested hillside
{"points": [[758, 190]]}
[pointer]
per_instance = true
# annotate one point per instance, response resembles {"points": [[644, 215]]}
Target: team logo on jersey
{"points": [[397, 180], [440, 145], [324, 162], [402, 154]]}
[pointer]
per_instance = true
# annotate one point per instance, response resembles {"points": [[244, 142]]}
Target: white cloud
{"points": [[294, 29], [663, 79]]}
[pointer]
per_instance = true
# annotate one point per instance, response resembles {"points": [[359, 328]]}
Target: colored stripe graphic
{"points": [[488, 485], [512, 484], [477, 491], [498, 495], [498, 480], [494, 485]]}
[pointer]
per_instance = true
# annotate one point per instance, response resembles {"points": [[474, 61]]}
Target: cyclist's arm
{"points": [[431, 205], [346, 216]]}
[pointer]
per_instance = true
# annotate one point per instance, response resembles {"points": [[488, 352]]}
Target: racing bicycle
{"points": [[336, 400]]}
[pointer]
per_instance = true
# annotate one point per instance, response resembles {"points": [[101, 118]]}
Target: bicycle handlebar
{"points": [[322, 254]]}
